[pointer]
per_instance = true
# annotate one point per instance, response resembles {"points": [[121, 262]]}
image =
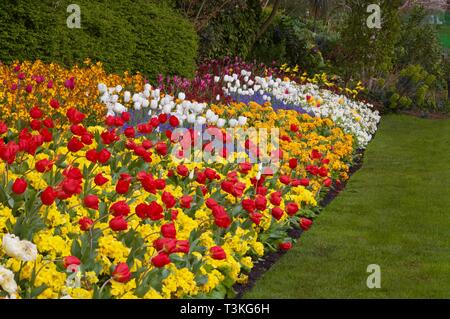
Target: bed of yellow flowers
{"points": [[94, 210]]}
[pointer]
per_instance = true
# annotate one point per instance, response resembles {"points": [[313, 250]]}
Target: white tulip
{"points": [[167, 108], [232, 122], [154, 104], [104, 98], [19, 249], [126, 97], [7, 281], [221, 123], [200, 120], [102, 88], [242, 120], [191, 119]]}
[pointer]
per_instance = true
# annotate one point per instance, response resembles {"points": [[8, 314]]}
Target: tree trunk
{"points": [[448, 88], [268, 21]]}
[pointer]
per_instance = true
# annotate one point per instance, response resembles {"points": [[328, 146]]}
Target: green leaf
{"points": [[35, 292]]}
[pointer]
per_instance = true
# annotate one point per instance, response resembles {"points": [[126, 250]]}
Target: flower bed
{"points": [[96, 206]]}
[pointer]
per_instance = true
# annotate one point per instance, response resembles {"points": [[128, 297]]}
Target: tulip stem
{"points": [[104, 285]]}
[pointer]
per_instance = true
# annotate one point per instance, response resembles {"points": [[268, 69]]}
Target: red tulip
{"points": [[292, 209], [155, 211], [48, 196], [256, 217], [167, 245], [100, 179], [161, 148], [294, 128], [168, 230], [161, 260], [48, 123], [211, 203], [277, 213], [85, 223], [217, 253], [75, 145], [261, 202], [315, 154], [221, 217], [182, 170], [118, 224], [71, 260], [3, 128], [304, 182], [125, 116], [103, 156], [285, 246], [275, 198], [305, 223], [121, 273], [293, 163], [35, 125], [46, 135], [168, 199], [122, 186], [182, 246], [91, 201], [54, 103], [185, 201], [173, 121], [129, 132], [244, 168], [92, 156], [249, 205], [285, 179], [75, 116], [120, 208], [35, 112], [19, 186], [162, 118], [323, 171]]}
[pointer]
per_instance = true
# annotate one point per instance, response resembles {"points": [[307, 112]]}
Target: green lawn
{"points": [[395, 212]]}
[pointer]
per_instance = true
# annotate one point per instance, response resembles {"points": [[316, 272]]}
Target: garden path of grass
{"points": [[395, 212]]}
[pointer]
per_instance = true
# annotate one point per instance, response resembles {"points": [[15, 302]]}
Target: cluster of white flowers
{"points": [[353, 117], [20, 249], [150, 99]]}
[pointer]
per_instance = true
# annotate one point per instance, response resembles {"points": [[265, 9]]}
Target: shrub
{"points": [[232, 32], [289, 40], [419, 43], [136, 36], [415, 87]]}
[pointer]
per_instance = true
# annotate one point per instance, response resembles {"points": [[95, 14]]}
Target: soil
{"points": [[270, 259]]}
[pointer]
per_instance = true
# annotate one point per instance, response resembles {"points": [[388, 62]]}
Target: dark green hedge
{"points": [[135, 35]]}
